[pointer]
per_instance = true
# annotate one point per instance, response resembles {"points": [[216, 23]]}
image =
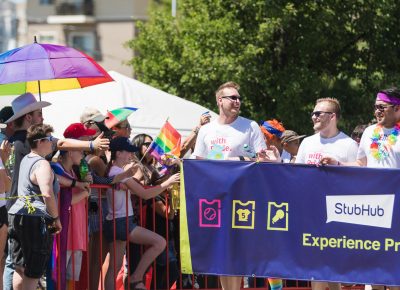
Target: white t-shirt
{"points": [[221, 141], [393, 159], [313, 148], [119, 198]]}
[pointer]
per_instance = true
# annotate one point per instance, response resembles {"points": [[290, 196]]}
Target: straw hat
{"points": [[25, 104]]}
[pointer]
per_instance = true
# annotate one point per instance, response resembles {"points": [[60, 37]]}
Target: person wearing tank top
{"points": [[34, 215]]}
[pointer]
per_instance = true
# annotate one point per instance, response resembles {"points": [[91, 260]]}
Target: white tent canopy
{"points": [[154, 106]]}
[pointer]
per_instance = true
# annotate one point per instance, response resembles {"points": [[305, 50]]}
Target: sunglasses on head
{"points": [[319, 113], [232, 98]]}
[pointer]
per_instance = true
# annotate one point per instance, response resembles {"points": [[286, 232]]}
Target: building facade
{"points": [[100, 28]]}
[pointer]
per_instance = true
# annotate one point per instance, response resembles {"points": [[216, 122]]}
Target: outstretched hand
{"points": [[271, 154], [101, 143]]}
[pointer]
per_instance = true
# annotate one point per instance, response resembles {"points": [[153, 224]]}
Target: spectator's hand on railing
{"points": [[101, 143], [89, 178], [83, 185]]}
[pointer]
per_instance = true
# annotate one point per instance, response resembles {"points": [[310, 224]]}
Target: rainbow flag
{"points": [[167, 142], [118, 115]]}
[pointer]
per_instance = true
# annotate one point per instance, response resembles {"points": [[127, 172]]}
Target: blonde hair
{"points": [[233, 85], [334, 103]]}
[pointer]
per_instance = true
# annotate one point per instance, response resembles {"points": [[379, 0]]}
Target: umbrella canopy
{"points": [[40, 68]]}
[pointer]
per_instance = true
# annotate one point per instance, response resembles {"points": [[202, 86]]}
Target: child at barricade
{"points": [[121, 154], [77, 229]]}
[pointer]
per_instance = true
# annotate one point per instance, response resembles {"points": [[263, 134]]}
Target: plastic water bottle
{"points": [[249, 151], [175, 198], [83, 169]]}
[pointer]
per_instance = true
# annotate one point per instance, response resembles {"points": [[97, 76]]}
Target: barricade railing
{"points": [[95, 265]]}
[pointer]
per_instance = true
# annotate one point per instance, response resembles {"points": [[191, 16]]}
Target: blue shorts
{"points": [[94, 215], [120, 228]]}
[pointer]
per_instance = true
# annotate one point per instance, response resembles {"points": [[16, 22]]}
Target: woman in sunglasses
{"points": [[34, 216]]}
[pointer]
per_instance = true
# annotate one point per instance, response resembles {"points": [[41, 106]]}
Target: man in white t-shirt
{"points": [[328, 141], [232, 137], [379, 145]]}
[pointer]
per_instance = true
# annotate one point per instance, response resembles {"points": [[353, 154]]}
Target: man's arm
{"points": [[333, 161], [42, 175], [99, 143]]}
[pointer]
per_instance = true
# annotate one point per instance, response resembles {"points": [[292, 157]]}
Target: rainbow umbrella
{"points": [[38, 68], [118, 115]]}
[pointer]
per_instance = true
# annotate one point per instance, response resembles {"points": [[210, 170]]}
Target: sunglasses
{"points": [[147, 144], [382, 108], [89, 123], [48, 138], [232, 98], [319, 113]]}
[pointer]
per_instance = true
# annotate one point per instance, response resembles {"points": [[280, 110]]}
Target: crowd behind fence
{"points": [[145, 214]]}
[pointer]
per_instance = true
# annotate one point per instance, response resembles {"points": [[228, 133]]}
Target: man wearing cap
{"points": [[27, 111], [290, 141], [94, 119], [328, 140]]}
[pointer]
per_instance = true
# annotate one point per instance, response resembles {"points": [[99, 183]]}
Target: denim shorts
{"points": [[120, 228], [94, 214]]}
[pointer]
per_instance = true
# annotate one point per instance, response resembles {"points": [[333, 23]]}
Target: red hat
{"points": [[77, 130]]}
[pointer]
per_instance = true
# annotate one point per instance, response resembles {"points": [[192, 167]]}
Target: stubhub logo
{"points": [[368, 210]]}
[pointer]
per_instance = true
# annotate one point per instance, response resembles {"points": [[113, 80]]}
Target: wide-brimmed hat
{"points": [[25, 104], [78, 130], [92, 114], [289, 136]]}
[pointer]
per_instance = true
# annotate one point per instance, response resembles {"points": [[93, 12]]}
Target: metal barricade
{"points": [[95, 265]]}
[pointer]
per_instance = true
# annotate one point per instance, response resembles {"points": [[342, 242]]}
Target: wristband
{"points": [[73, 183], [91, 146], [56, 218]]}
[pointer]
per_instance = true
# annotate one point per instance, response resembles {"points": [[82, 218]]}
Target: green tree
{"points": [[284, 54]]}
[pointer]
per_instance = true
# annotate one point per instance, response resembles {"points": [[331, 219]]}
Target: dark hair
{"points": [[36, 132], [392, 91], [138, 141], [20, 121], [358, 131]]}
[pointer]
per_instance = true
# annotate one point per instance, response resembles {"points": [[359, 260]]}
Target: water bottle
{"points": [[175, 200], [83, 169], [249, 151]]}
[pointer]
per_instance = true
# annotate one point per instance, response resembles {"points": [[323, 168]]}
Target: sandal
{"points": [[133, 285]]}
